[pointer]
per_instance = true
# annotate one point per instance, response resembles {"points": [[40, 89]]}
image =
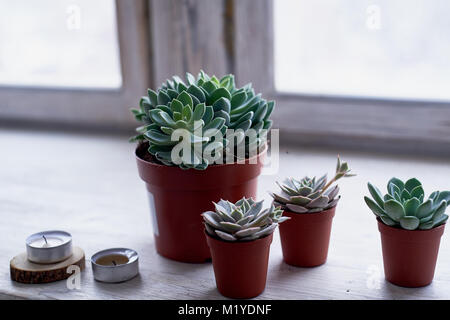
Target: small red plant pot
{"points": [[240, 268], [305, 237], [178, 197], [409, 256]]}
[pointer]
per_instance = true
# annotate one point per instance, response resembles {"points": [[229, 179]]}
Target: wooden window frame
{"points": [[91, 107], [160, 38]]}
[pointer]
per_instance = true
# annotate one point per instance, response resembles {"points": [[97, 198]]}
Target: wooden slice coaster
{"points": [[25, 271]]}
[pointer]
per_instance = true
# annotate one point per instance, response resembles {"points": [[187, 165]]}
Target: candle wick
{"points": [[45, 239], [114, 263]]}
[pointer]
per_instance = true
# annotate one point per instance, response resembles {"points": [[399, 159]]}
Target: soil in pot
{"points": [[305, 237], [240, 268], [178, 198], [409, 257]]}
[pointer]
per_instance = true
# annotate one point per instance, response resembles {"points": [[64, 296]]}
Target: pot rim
{"points": [[158, 165], [249, 242], [408, 231], [410, 235]]}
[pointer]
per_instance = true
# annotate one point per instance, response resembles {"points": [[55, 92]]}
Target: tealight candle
{"points": [[115, 265], [112, 260], [49, 246]]}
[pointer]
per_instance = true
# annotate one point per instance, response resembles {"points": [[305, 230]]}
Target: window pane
{"points": [[384, 48], [59, 43]]}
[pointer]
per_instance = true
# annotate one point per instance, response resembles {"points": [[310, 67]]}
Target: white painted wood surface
{"points": [[88, 185]]}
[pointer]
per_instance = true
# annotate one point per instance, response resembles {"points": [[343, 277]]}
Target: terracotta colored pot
{"points": [[305, 237], [240, 268], [178, 197], [410, 256]]}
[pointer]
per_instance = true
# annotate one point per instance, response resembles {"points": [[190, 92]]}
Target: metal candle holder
{"points": [[49, 246], [115, 265]]}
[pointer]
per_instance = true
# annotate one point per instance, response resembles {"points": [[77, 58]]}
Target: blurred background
{"points": [[368, 80], [366, 75]]}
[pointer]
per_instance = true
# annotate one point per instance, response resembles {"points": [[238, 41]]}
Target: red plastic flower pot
{"points": [[178, 198], [409, 256], [240, 268], [305, 237]]}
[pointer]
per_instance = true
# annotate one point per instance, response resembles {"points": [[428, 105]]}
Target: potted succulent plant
{"points": [[411, 228], [311, 205], [239, 237], [181, 182]]}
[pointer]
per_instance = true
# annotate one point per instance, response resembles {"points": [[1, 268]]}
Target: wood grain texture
{"points": [[188, 35], [24, 271], [254, 44], [414, 127], [88, 185]]}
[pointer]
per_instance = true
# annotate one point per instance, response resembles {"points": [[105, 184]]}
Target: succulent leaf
{"points": [[440, 220], [426, 225], [388, 221], [409, 222], [225, 235], [434, 195], [394, 191], [211, 221], [405, 195], [318, 202], [424, 209], [411, 184], [300, 200], [399, 183], [230, 226], [376, 194], [411, 206], [440, 210], [280, 198], [333, 192], [246, 232], [268, 230], [443, 195], [376, 209], [417, 192], [394, 210]]}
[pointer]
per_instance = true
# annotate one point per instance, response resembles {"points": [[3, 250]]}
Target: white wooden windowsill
{"points": [[88, 185]]}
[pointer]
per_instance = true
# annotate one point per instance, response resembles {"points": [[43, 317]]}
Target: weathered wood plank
{"points": [[188, 35], [88, 185], [418, 128], [254, 44]]}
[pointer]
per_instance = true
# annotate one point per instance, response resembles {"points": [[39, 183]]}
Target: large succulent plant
{"points": [[404, 206], [310, 195], [205, 102], [242, 221]]}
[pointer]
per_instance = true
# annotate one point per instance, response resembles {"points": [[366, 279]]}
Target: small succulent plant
{"points": [[404, 206], [205, 102], [310, 195], [242, 221]]}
